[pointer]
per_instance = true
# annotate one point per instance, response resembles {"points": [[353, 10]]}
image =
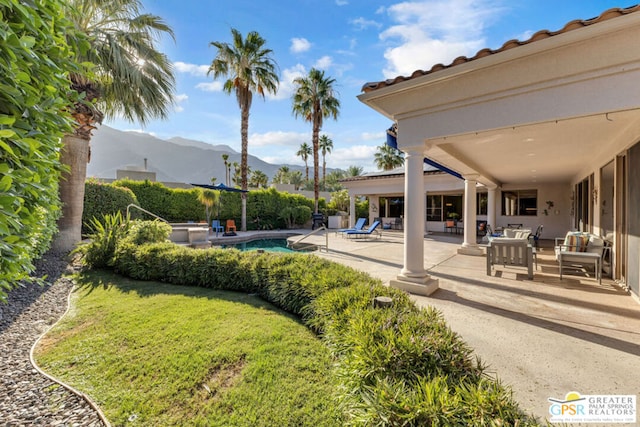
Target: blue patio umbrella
{"points": [[392, 141]]}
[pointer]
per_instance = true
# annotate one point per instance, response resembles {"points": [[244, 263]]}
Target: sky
{"points": [[352, 41]]}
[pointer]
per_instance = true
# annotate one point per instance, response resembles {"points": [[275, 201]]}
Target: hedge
{"points": [[400, 365], [172, 204], [102, 199], [264, 207], [35, 59]]}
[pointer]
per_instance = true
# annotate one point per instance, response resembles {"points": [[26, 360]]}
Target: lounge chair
{"points": [[216, 226], [358, 226], [365, 233]]}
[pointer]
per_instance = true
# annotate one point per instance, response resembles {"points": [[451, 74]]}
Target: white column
{"points": [[469, 246], [491, 207], [374, 208], [352, 210], [413, 277]]}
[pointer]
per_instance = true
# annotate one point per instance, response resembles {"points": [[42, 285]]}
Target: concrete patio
{"points": [[544, 337]]}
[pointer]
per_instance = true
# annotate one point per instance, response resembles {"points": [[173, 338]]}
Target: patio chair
{"points": [[581, 249], [510, 252], [231, 226], [359, 225], [365, 233], [536, 236], [216, 226]]}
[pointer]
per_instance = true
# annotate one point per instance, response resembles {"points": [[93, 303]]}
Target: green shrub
{"points": [[142, 232], [105, 235], [102, 199], [35, 60]]}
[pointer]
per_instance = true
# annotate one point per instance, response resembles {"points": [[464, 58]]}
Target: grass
{"points": [[157, 354]]}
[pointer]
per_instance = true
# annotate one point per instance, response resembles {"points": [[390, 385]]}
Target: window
{"points": [[452, 207], [434, 208], [520, 203], [482, 200]]}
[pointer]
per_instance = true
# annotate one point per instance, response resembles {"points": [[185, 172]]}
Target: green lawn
{"points": [[155, 354]]}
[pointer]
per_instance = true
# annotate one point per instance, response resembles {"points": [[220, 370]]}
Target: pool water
{"points": [[270, 245]]}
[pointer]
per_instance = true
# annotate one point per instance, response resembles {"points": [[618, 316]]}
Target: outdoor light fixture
{"points": [[374, 208]]}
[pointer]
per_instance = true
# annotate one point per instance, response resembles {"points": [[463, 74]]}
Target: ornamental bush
{"points": [[35, 59]]}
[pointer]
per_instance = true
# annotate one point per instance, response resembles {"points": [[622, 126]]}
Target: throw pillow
{"points": [[576, 243]]}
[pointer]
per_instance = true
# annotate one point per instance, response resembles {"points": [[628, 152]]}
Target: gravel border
{"points": [[28, 397]]}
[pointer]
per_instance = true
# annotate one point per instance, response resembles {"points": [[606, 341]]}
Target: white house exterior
{"points": [[555, 118]]}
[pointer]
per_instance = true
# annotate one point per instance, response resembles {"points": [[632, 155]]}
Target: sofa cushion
{"points": [[596, 243], [576, 242]]}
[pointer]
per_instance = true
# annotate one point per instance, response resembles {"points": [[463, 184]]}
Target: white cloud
{"points": [[193, 69], [215, 86], [299, 45], [363, 23], [342, 2], [179, 99], [324, 63], [374, 136], [435, 31], [357, 155], [277, 138], [286, 87]]}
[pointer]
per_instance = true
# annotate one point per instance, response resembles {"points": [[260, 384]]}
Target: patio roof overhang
{"points": [[539, 113]]}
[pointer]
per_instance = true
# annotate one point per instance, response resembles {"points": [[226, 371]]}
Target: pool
{"points": [[270, 245]]}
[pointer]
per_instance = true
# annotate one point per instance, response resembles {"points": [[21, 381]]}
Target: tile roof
{"points": [[540, 35], [397, 172]]}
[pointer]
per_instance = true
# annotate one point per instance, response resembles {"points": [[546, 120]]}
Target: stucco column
{"points": [[491, 206], [373, 201], [352, 210], [413, 277], [469, 246]]}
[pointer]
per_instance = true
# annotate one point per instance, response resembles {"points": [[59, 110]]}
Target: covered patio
{"points": [[543, 337], [548, 126]]}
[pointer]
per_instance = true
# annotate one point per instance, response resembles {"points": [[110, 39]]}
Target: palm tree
{"points": [[209, 198], [304, 153], [281, 176], [259, 179], [315, 100], [225, 158], [295, 178], [388, 158], [326, 145], [130, 79], [354, 170], [249, 68]]}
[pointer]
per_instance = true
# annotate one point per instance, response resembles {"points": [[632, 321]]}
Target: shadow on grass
{"points": [[88, 281]]}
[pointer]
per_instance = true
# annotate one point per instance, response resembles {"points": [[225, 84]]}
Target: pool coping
{"points": [[253, 235]]}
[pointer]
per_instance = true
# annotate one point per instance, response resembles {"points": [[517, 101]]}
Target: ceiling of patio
{"points": [[551, 152]]}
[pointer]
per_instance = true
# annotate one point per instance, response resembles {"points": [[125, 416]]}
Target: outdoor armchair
{"points": [[578, 248]]}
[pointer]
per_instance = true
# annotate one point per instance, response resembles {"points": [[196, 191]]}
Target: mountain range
{"points": [[173, 160]]}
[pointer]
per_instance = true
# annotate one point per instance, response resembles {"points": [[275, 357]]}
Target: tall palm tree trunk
{"points": [[316, 188], [74, 155], [244, 131], [324, 172]]}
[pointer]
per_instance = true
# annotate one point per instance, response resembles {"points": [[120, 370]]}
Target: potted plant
{"points": [[452, 218]]}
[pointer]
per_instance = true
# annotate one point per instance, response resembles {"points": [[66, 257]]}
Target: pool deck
{"points": [[544, 337]]}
